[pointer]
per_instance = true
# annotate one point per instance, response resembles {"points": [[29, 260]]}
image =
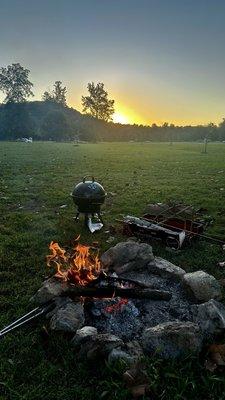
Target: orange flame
{"points": [[79, 266]]}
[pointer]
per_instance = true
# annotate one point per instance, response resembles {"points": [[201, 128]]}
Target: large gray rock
{"points": [[50, 289], [201, 286], [134, 348], [172, 339], [165, 269], [97, 346], [211, 317], [120, 355], [127, 256], [68, 318], [130, 354]]}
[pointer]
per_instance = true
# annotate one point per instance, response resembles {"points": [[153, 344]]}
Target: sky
{"points": [[160, 60]]}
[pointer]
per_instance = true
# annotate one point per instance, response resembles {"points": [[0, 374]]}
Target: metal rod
{"points": [[163, 212], [36, 312], [177, 213], [210, 238], [20, 319], [192, 233]]}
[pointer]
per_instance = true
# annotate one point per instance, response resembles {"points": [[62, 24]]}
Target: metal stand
{"points": [[86, 216], [92, 226], [77, 216]]}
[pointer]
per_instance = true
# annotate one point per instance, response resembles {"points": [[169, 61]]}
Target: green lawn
{"points": [[35, 180]]}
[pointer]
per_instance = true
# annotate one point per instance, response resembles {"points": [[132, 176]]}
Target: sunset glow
{"points": [[161, 61], [120, 118], [126, 113]]}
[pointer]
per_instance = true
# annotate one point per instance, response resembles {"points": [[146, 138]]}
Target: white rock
{"points": [[83, 335], [87, 331]]}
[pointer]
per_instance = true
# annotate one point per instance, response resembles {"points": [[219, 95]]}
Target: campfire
{"points": [[126, 302], [80, 268]]}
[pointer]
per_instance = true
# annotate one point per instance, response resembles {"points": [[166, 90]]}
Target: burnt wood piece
{"points": [[112, 280], [111, 291]]}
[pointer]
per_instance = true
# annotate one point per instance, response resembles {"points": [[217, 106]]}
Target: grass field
{"points": [[35, 180]]}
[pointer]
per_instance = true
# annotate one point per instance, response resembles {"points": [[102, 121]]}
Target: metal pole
{"points": [[205, 145]]}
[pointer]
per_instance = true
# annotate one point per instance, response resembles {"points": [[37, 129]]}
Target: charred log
{"points": [[113, 280], [107, 292]]}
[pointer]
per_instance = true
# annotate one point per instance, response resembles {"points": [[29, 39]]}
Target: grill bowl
{"points": [[88, 196]]}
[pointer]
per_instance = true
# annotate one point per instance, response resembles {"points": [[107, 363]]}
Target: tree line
{"points": [[15, 84], [52, 119]]}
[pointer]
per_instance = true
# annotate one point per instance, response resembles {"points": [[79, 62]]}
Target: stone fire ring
{"points": [[193, 317]]}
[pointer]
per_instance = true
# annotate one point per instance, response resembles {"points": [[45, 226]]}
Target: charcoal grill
{"points": [[88, 196]]}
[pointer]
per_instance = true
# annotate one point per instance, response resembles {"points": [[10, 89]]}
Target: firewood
{"points": [[110, 291]]}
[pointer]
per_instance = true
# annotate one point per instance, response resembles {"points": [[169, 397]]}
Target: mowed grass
{"points": [[35, 180]]}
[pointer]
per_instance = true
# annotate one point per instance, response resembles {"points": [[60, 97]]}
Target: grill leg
{"points": [[100, 217], [86, 219], [77, 216]]}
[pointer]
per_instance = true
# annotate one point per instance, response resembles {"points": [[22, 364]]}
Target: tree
{"points": [[47, 96], [221, 130], [56, 126], [58, 95], [15, 84], [17, 121], [97, 103]]}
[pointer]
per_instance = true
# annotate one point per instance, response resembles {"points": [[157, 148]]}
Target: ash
{"points": [[131, 318], [154, 312], [124, 322]]}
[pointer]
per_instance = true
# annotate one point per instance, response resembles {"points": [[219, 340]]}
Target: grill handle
{"points": [[84, 178]]}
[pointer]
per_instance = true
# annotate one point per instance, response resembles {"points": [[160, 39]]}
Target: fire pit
{"points": [[129, 302]]}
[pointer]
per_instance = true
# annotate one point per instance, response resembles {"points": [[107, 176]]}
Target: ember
{"points": [[80, 266], [116, 307]]}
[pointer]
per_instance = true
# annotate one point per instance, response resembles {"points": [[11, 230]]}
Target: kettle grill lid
{"points": [[88, 189]]}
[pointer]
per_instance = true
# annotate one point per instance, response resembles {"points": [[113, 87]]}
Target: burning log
{"points": [[112, 291], [115, 280]]}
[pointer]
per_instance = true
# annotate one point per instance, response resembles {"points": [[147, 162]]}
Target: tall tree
{"points": [[58, 94], [97, 103], [15, 84]]}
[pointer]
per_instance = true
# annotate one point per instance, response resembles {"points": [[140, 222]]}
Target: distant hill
{"points": [[41, 120], [48, 120]]}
